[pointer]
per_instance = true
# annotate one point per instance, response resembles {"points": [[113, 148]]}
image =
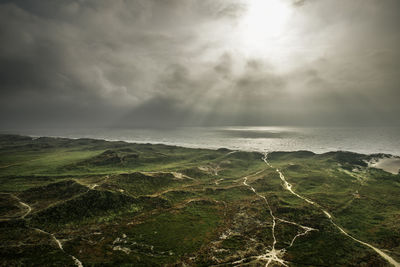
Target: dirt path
{"points": [[26, 206], [288, 187], [59, 245], [273, 254], [58, 242]]}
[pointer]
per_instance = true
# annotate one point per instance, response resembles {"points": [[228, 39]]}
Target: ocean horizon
{"points": [[365, 140]]}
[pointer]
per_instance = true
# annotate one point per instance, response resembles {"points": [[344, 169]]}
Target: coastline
{"points": [[120, 189], [261, 139], [387, 162], [202, 146]]}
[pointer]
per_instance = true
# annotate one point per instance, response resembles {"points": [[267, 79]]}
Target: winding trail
{"points": [[288, 187], [274, 255], [29, 209], [59, 245], [305, 228]]}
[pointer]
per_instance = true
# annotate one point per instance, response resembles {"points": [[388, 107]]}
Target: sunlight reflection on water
{"points": [[319, 140]]}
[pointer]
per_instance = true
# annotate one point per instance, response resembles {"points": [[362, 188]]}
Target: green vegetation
{"points": [[123, 204]]}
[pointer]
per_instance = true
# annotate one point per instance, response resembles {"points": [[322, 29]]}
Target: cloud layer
{"points": [[184, 62]]}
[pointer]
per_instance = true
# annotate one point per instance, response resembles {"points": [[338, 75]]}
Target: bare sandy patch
{"points": [[391, 164]]}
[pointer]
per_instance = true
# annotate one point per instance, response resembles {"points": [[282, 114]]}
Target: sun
{"points": [[263, 22]]}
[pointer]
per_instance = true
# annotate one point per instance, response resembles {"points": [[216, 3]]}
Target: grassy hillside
{"points": [[122, 204]]}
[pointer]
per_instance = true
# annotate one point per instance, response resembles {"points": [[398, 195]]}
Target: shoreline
{"points": [[261, 139], [383, 161], [115, 184], [187, 145]]}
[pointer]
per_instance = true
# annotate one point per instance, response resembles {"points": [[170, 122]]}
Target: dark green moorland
{"points": [[90, 202]]}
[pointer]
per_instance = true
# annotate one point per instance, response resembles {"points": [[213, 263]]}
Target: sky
{"points": [[169, 63]]}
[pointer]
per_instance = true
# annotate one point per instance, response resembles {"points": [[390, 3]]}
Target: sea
{"points": [[365, 140]]}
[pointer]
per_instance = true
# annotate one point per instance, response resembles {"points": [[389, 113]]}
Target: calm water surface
{"points": [[363, 140]]}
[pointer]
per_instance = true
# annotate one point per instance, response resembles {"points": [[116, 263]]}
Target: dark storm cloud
{"points": [[173, 62]]}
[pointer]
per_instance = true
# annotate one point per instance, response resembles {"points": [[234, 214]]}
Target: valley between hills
{"points": [[86, 202]]}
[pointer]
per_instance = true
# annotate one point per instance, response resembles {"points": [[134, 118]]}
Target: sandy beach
{"points": [[391, 164]]}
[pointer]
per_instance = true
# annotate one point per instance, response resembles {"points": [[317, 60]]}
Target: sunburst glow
{"points": [[264, 21]]}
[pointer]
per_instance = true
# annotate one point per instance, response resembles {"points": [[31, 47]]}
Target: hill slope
{"points": [[97, 203]]}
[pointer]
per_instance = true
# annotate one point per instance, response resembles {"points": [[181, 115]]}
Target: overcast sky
{"points": [[137, 63]]}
